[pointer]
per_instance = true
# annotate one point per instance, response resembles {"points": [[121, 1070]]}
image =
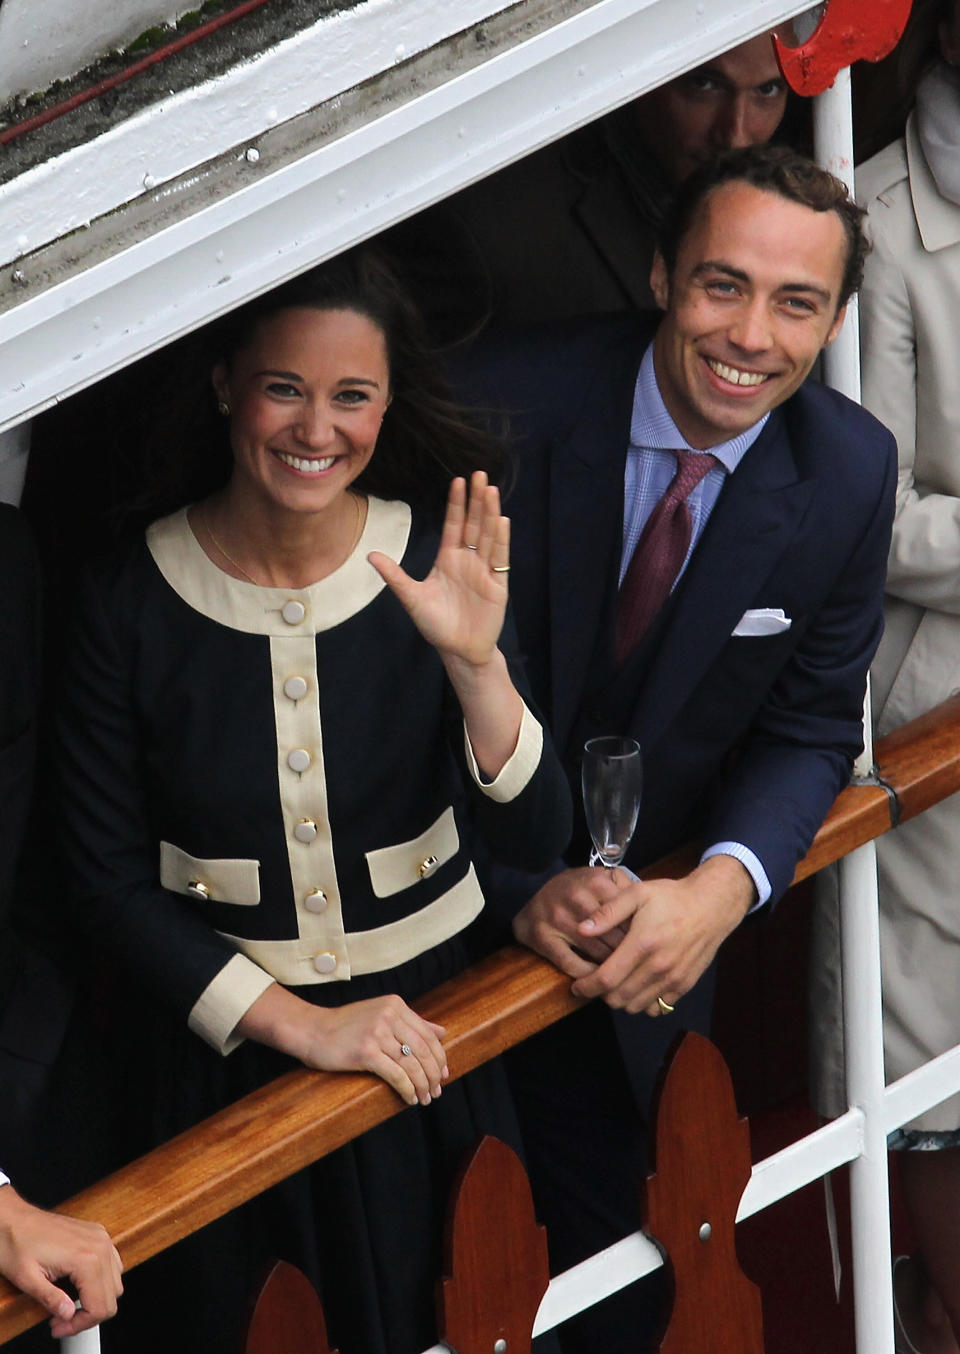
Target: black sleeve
{"points": [[110, 849]]}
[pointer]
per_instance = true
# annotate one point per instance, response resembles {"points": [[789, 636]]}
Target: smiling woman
{"points": [[305, 398], [289, 714]]}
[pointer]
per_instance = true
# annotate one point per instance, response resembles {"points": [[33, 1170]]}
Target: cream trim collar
{"points": [[265, 611]]}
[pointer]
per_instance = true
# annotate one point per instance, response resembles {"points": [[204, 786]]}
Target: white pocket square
{"points": [[763, 620]]}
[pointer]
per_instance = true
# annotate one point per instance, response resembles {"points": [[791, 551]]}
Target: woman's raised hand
{"points": [[381, 1035], [459, 606]]}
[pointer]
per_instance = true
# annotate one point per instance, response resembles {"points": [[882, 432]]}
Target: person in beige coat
{"points": [[910, 349]]}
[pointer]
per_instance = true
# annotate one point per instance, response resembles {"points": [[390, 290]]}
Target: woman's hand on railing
{"points": [[37, 1248], [381, 1035]]}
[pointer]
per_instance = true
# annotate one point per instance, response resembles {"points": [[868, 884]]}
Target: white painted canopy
{"points": [[211, 195]]}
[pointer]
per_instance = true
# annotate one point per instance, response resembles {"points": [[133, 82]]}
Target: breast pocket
{"points": [[395, 868], [219, 881]]}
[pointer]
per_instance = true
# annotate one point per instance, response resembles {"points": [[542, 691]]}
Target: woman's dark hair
{"points": [[425, 439]]}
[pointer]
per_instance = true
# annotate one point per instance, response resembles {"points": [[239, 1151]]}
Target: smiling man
{"points": [[700, 540], [757, 289]]}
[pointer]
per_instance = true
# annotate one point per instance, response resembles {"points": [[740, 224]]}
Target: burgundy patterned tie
{"points": [[659, 553]]}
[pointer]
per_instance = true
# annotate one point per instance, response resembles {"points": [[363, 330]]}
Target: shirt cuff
{"points": [[4, 1179], [519, 766], [750, 863], [226, 1000]]}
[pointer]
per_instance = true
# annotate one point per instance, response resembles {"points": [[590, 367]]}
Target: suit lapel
{"points": [[586, 514], [755, 519]]}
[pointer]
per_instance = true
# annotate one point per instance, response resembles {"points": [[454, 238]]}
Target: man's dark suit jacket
{"points": [[745, 739]]}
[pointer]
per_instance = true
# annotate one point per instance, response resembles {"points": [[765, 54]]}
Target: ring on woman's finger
{"points": [[406, 1050], [500, 568], [665, 1007], [469, 546]]}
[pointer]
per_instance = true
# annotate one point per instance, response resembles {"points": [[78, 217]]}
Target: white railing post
{"points": [[860, 930], [833, 147], [863, 1043], [87, 1342]]}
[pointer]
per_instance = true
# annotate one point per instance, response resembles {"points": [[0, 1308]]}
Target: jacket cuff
{"points": [[225, 1001], [519, 767]]}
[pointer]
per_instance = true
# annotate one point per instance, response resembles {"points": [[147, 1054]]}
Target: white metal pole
{"points": [[87, 1342], [862, 1004], [833, 146], [863, 1043]]}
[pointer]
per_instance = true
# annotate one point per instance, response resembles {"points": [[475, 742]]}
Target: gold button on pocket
{"points": [[305, 831], [401, 865], [235, 883], [325, 962], [428, 867]]}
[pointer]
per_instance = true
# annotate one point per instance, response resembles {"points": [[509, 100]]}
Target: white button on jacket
{"points": [[293, 612]]}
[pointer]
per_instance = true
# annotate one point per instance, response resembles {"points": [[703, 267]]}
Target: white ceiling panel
{"points": [[304, 188]]}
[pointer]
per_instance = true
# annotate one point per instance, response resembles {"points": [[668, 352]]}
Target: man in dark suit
{"points": [[743, 679], [571, 229], [36, 1247]]}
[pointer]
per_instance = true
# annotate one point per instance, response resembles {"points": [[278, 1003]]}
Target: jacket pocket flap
{"points": [[220, 881], [394, 868]]}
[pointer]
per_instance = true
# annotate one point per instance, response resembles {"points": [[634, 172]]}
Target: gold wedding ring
{"points": [[665, 1007]]}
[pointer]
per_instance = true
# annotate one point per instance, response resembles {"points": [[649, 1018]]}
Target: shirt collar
{"points": [[652, 426]]}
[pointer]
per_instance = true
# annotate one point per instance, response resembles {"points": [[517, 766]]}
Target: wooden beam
{"points": [[302, 1116]]}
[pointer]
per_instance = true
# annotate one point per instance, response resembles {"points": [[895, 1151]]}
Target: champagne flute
{"points": [[612, 779]]}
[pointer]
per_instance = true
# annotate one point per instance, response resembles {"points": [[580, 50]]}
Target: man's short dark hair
{"points": [[774, 169]]}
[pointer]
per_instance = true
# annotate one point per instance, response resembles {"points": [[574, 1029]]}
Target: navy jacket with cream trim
{"points": [[276, 784]]}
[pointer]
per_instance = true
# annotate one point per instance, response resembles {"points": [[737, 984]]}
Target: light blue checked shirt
{"points": [[650, 467]]}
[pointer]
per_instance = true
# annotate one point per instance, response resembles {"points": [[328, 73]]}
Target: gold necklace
{"points": [[357, 533], [229, 558]]}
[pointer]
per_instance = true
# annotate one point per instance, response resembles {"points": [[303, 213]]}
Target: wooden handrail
{"points": [[224, 1161], [302, 1116]]}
